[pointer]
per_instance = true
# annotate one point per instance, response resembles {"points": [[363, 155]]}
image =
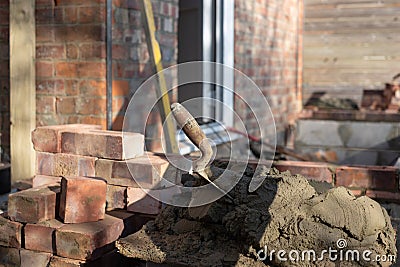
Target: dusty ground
{"points": [[285, 213]]}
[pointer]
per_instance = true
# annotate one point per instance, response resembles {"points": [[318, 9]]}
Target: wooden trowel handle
{"points": [[193, 131]]}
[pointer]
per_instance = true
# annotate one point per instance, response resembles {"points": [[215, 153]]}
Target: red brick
{"points": [[44, 33], [98, 120], [66, 105], [48, 138], [91, 106], [9, 257], [148, 170], [33, 258], [82, 199], [50, 51], [64, 164], [120, 87], [92, 69], [44, 69], [383, 195], [85, 241], [79, 33], [139, 201], [102, 144], [64, 262], [42, 180], [72, 51], [116, 197], [10, 233], [119, 51], [91, 14], [33, 205], [45, 104], [71, 87], [311, 170], [40, 237], [92, 51], [371, 177], [66, 70], [93, 88], [70, 15], [50, 87]]}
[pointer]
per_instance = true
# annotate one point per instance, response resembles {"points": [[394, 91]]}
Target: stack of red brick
{"points": [[82, 171]]}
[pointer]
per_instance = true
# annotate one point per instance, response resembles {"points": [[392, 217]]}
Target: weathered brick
{"points": [[82, 199], [311, 170], [139, 201], [66, 69], [78, 33], [103, 144], [48, 138], [91, 119], [10, 233], [9, 257], [64, 164], [116, 197], [33, 205], [42, 180], [148, 170], [91, 106], [66, 105], [383, 195], [44, 69], [50, 51], [92, 87], [40, 236], [51, 87], [371, 177], [34, 258], [57, 261], [85, 241], [45, 104], [92, 51]]}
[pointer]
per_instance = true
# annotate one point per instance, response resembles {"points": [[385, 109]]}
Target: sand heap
{"points": [[285, 213]]}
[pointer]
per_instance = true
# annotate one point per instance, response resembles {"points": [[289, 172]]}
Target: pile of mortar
{"points": [[285, 213]]}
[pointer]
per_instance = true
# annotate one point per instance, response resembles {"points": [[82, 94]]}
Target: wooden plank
{"points": [[340, 63], [391, 51], [22, 87], [358, 12], [309, 3], [371, 38]]}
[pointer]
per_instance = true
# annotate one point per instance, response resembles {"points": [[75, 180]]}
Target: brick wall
{"points": [[4, 81], [266, 49], [131, 62], [70, 62]]}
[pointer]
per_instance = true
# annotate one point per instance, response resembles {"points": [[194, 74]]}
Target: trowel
{"points": [[196, 135]]}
